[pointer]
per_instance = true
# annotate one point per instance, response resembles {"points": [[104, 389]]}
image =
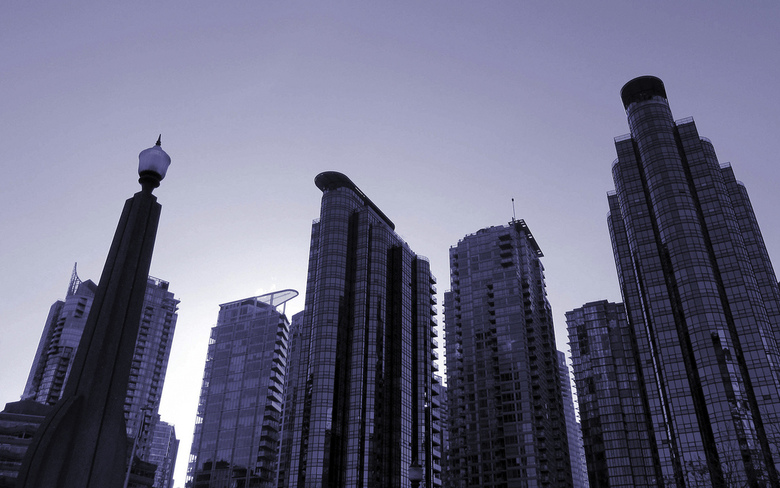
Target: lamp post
{"points": [[82, 442]]}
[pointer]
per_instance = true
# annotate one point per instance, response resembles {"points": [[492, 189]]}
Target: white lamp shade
{"points": [[155, 160], [415, 472]]}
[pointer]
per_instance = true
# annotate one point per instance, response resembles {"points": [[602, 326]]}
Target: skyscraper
{"points": [[701, 297], [290, 398], [615, 425], [579, 472], [237, 429], [363, 415], [60, 340], [163, 449], [507, 422]]}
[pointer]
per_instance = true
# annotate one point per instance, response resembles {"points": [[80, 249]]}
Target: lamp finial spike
{"points": [[159, 141]]}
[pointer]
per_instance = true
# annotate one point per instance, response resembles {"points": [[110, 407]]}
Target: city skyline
{"points": [[469, 106]]}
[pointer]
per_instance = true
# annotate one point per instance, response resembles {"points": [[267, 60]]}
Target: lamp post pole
{"points": [[82, 442]]}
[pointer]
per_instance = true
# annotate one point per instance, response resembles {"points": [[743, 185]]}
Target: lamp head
{"points": [[415, 472], [153, 165]]}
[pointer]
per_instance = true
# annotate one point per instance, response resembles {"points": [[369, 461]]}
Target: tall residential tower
{"points": [[365, 361], [701, 297], [506, 411], [237, 429], [613, 412], [579, 470]]}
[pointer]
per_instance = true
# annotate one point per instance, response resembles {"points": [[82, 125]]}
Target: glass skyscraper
{"points": [[579, 471], [238, 424], [362, 414], [163, 449], [701, 297], [613, 414], [506, 413]]}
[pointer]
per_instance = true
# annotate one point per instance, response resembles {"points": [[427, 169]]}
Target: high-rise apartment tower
{"points": [[613, 412], [163, 448], [579, 471], [702, 299], [365, 366], [506, 413], [238, 425]]}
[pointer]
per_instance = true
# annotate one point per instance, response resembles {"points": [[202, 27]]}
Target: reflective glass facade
{"points": [[579, 472], [362, 409], [291, 391], [59, 341], [163, 449], [615, 427], [506, 414], [701, 298], [238, 424]]}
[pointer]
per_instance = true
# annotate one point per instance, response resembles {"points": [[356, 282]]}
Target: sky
{"points": [[441, 112]]}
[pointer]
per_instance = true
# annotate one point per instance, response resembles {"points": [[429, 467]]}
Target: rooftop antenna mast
{"points": [[75, 281], [513, 210]]}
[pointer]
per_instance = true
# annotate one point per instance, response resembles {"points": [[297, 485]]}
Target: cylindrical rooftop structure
{"points": [[642, 88]]}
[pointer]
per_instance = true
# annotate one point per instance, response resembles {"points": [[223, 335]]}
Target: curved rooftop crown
{"points": [[331, 180], [642, 88]]}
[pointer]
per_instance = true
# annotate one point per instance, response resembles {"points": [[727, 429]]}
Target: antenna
{"points": [[513, 210], [75, 281]]}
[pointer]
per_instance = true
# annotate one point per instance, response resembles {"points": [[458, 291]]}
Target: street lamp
{"points": [[415, 474], [153, 165], [82, 442]]}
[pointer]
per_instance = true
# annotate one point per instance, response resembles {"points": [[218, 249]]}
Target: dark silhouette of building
{"points": [[507, 421], [61, 337], [613, 414], [362, 414], [701, 296], [237, 430], [18, 423]]}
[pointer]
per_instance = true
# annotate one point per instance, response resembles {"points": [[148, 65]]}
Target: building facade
{"points": [[163, 449], [290, 398], [60, 340], [238, 424], [616, 429], [507, 421], [579, 470], [19, 422], [363, 414], [701, 297]]}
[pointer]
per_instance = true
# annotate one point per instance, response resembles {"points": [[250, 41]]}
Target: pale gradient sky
{"points": [[441, 112]]}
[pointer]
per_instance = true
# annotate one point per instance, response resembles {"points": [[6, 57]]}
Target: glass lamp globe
{"points": [[153, 164], [415, 472]]}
